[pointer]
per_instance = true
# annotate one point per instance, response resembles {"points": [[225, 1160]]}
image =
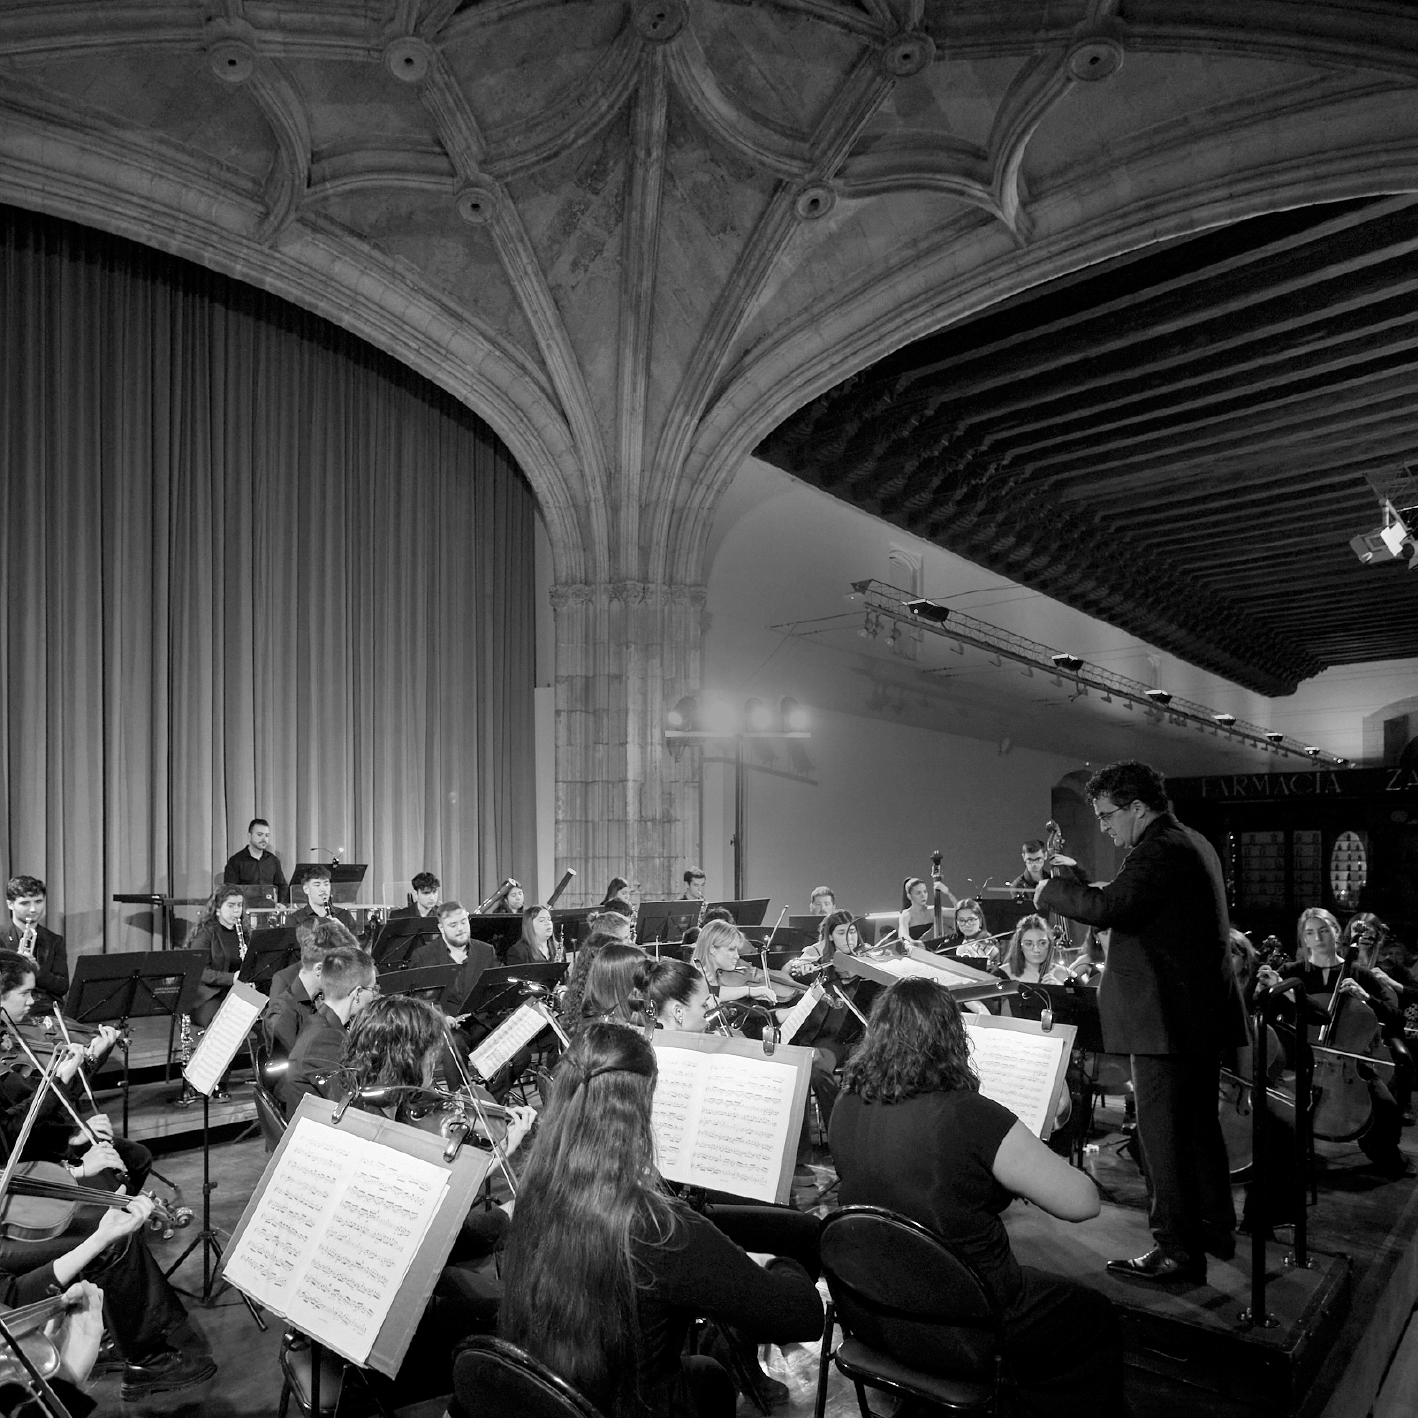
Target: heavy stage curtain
{"points": [[251, 567]]}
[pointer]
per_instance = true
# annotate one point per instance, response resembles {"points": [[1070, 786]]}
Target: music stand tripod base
{"points": [[207, 1237]]}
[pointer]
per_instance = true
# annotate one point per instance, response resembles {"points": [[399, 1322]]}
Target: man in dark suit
{"points": [[454, 945], [1165, 1001], [425, 901], [316, 885], [255, 864], [27, 900], [347, 981]]}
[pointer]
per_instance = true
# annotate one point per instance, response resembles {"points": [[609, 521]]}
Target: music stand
{"points": [[575, 919], [135, 984], [345, 878], [257, 897], [665, 920], [499, 931], [269, 951], [809, 923], [498, 989], [783, 938], [745, 913], [399, 937], [426, 982], [163, 905]]}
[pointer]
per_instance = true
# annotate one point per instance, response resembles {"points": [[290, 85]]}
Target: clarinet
{"points": [[240, 940]]}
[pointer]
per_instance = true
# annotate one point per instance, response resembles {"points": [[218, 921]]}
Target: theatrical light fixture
{"points": [[757, 717], [793, 715], [1397, 495], [932, 611], [1225, 720], [1275, 738], [1068, 662], [1312, 750], [685, 715], [1159, 697]]}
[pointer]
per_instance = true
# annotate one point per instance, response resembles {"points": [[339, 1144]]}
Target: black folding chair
{"points": [[495, 1379], [916, 1318]]}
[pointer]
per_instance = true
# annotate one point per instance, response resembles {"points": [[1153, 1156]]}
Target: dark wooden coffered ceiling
{"points": [[1176, 442]]}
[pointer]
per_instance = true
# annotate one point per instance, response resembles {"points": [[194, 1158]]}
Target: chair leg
{"points": [[824, 1359], [285, 1400], [862, 1400]]}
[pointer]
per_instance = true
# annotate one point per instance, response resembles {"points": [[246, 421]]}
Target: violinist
{"points": [[604, 1272], [102, 1163], [609, 928], [837, 931], [610, 988], [27, 899], [73, 1341], [397, 1043], [969, 941], [674, 996], [533, 946], [347, 984], [1321, 971], [718, 952], [1032, 956]]}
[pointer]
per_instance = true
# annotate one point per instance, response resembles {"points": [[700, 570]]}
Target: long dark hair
{"points": [[914, 1043], [589, 1191], [390, 1040], [829, 924], [1014, 963], [529, 914], [662, 982], [609, 985], [220, 895]]}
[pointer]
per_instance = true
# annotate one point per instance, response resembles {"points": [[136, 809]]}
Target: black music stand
{"points": [[498, 990], [345, 878], [162, 904], [135, 985], [783, 937], [268, 951], [499, 931], [576, 920], [665, 920], [810, 924], [745, 913], [426, 982], [399, 937]]}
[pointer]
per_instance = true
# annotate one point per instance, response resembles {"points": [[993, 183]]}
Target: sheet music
{"points": [[721, 1120], [1019, 1070], [224, 1036], [797, 1016], [908, 968], [339, 1224], [517, 1030]]}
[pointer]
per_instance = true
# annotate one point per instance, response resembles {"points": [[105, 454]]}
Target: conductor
{"points": [[1163, 1001]]}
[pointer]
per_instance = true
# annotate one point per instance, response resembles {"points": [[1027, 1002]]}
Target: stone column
{"points": [[625, 652]]}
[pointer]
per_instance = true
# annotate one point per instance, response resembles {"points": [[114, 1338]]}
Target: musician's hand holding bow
{"points": [[102, 1043], [73, 1055], [520, 1120], [78, 1332], [101, 1157]]}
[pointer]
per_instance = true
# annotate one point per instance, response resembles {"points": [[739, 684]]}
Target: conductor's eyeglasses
{"points": [[1104, 818]]}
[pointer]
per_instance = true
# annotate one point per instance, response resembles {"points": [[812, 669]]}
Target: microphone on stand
{"points": [[334, 854]]}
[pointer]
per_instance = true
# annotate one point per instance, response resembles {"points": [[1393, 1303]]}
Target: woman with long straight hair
{"points": [[912, 1132], [604, 1272], [533, 946]]}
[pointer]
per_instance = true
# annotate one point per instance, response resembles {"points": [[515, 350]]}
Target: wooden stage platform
{"points": [[1200, 1335]]}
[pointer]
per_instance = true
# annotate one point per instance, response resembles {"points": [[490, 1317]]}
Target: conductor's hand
{"points": [[101, 1157]]}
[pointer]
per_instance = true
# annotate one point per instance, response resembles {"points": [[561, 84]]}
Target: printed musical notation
{"points": [[515, 1032], [224, 1036], [338, 1225], [1019, 1070], [722, 1120]]}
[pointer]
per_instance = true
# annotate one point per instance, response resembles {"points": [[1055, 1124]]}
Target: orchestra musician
{"points": [[822, 902], [604, 1273], [426, 887], [255, 864], [514, 898], [348, 982], [1320, 970], [694, 885], [607, 928], [1032, 956], [316, 886], [836, 931], [220, 937], [917, 918], [27, 898], [534, 944], [609, 995], [913, 1133], [297, 1000], [969, 940], [717, 952], [1165, 1000], [162, 1351]]}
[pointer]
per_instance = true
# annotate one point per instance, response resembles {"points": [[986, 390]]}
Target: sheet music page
{"points": [[337, 1228], [906, 968], [722, 1121], [519, 1028], [1018, 1069], [797, 1016], [224, 1036]]}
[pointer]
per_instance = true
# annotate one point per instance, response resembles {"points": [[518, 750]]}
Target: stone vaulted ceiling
{"points": [[638, 235]]}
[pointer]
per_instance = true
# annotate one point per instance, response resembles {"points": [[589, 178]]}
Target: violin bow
{"points": [[49, 1082]]}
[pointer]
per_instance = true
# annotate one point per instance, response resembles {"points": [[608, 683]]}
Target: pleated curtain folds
{"points": [[251, 567]]}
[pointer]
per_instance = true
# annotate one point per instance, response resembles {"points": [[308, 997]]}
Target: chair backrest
{"points": [[901, 1289], [495, 1379], [268, 1116]]}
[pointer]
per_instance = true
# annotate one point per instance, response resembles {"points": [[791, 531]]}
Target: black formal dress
{"points": [[242, 869], [1169, 1001], [51, 964], [223, 952], [931, 1158]]}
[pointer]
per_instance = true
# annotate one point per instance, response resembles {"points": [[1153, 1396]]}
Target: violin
{"points": [[26, 1324], [43, 1199]]}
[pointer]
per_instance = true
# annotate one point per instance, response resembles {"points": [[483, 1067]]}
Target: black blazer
{"points": [[223, 959], [317, 1054], [1165, 990], [481, 956], [51, 960]]}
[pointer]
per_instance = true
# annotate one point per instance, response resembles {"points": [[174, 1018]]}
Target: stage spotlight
{"points": [[932, 611], [1225, 720], [684, 717], [1067, 662], [793, 715], [1160, 697], [756, 717], [1275, 738], [1312, 750]]}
